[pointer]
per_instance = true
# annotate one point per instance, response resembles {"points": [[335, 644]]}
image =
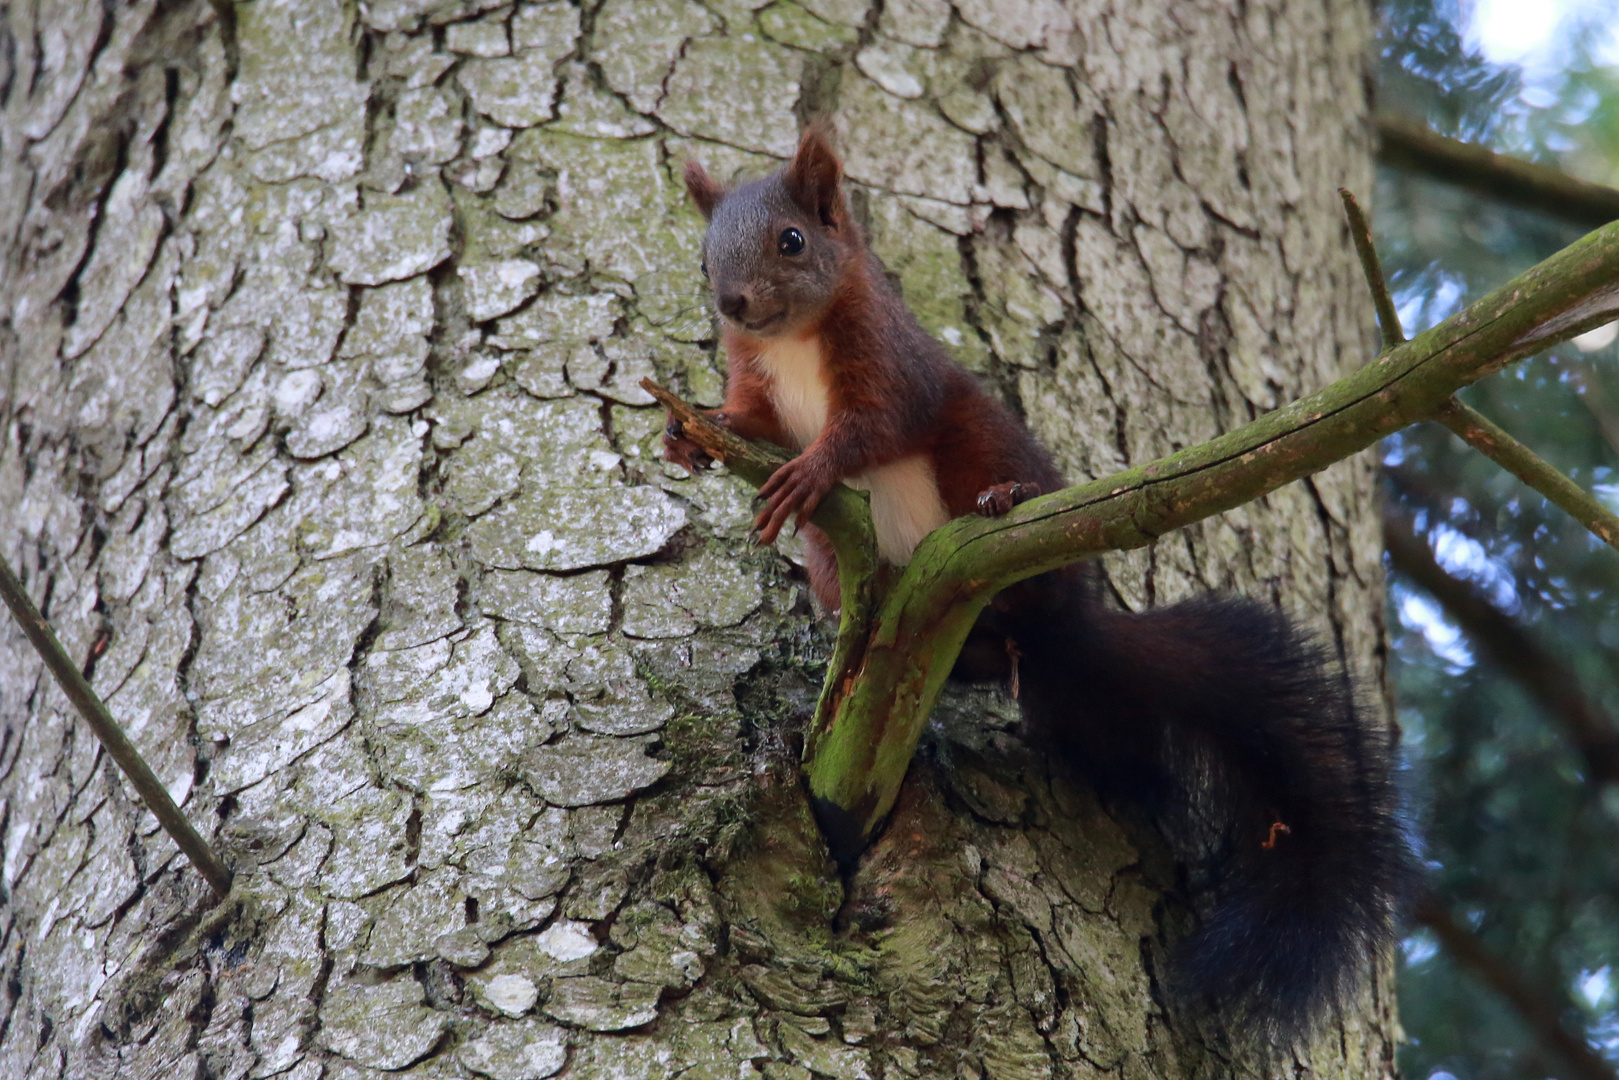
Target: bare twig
{"points": [[1388, 320], [122, 751], [1517, 652], [752, 461], [1408, 144], [1535, 1008], [1493, 441]]}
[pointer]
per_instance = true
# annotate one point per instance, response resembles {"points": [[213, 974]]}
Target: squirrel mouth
{"points": [[768, 321]]}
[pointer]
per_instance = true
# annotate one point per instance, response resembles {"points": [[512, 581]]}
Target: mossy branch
{"points": [[864, 740]]}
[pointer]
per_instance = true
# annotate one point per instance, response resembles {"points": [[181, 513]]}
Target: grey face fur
{"points": [[757, 287]]}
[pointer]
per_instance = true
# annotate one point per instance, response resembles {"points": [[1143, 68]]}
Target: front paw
{"points": [[681, 450], [797, 487], [1000, 498]]}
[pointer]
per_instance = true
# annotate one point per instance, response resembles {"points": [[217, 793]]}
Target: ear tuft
{"points": [[814, 179], [705, 191]]}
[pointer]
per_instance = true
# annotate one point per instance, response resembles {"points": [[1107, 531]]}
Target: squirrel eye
{"points": [[703, 266], [790, 242]]}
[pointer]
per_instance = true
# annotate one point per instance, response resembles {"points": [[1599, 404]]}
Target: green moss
{"points": [[928, 261], [433, 519], [790, 24]]}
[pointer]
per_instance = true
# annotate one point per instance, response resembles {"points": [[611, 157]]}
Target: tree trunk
{"points": [[324, 451]]}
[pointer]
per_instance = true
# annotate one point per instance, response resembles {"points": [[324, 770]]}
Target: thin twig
{"points": [[122, 751], [1536, 1009], [1408, 144], [752, 461], [1388, 320], [1493, 441], [1513, 649]]}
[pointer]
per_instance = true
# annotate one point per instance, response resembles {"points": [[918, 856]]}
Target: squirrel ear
{"points": [[815, 176], [706, 192]]}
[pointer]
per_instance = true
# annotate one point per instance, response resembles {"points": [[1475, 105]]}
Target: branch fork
{"points": [[896, 645]]}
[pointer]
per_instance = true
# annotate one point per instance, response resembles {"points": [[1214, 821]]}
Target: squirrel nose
{"points": [[733, 305]]}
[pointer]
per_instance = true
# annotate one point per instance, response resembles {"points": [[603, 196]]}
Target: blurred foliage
{"points": [[1521, 846]]}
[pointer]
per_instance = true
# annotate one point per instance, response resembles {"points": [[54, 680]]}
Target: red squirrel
{"points": [[1222, 720]]}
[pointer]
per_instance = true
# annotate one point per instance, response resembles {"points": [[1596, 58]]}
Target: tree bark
{"points": [[325, 452]]}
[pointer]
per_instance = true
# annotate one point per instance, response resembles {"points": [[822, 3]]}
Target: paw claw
{"points": [[679, 450], [999, 499], [791, 493]]}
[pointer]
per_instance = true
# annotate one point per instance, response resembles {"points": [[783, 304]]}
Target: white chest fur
{"points": [[905, 502], [798, 386]]}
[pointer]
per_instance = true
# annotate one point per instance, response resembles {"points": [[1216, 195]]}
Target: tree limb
{"points": [[1535, 1008], [1553, 684], [920, 626], [844, 515], [1410, 144]]}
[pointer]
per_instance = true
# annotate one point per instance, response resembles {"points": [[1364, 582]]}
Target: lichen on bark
{"points": [[325, 451]]}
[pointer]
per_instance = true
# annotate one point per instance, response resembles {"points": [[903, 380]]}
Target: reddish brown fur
{"points": [[1216, 714], [891, 390], [889, 395], [815, 177], [705, 191]]}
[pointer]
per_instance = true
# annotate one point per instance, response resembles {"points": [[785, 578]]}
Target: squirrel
{"points": [[1217, 716]]}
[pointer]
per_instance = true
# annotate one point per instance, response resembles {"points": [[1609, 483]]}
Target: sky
{"points": [[1526, 31]]}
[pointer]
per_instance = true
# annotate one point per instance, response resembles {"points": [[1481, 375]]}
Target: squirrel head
{"points": [[776, 248]]}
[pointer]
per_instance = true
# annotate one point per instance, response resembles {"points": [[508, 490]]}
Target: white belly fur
{"points": [[905, 505], [905, 502]]}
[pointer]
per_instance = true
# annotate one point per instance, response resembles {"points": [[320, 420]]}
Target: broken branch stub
{"points": [[1360, 230], [1492, 440]]}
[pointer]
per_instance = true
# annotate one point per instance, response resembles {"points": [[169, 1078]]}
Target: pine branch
{"points": [[1411, 145], [1538, 1010], [1553, 684]]}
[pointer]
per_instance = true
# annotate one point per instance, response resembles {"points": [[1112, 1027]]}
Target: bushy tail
{"points": [[1233, 728]]}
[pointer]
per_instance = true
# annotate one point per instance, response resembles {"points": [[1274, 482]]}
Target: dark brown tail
{"points": [[1240, 737]]}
